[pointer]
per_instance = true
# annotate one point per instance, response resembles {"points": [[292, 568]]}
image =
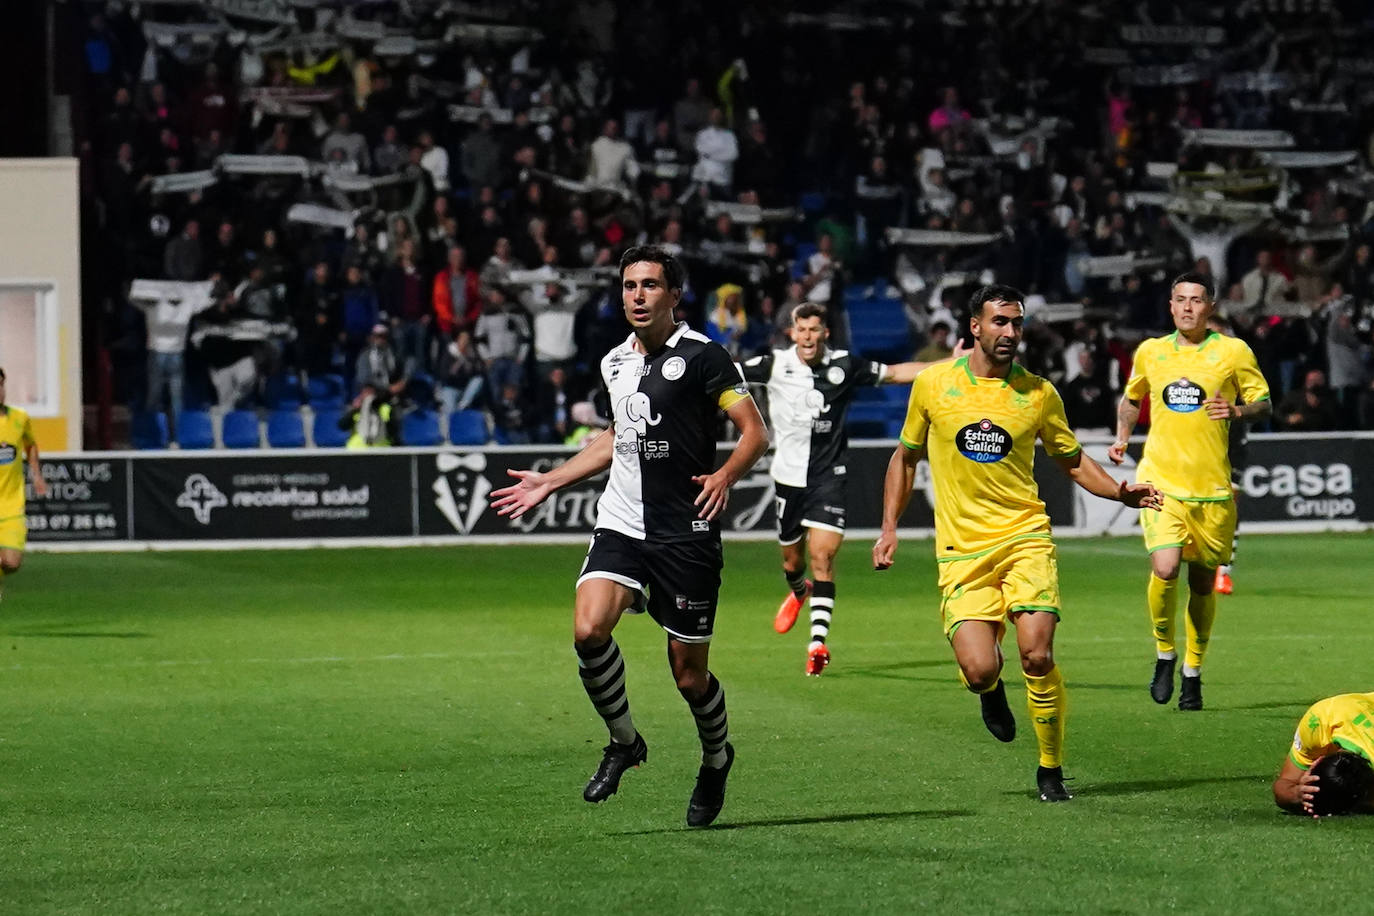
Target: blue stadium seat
{"points": [[420, 427], [196, 394], [812, 202], [804, 252], [878, 328], [325, 428], [148, 430], [285, 429], [467, 427], [283, 391], [326, 391], [420, 390], [195, 429], [239, 429]]}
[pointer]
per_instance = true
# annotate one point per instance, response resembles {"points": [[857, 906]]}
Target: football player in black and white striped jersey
{"points": [[657, 541], [810, 388]]}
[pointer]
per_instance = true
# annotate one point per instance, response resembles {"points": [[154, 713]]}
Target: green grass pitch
{"points": [[403, 731]]}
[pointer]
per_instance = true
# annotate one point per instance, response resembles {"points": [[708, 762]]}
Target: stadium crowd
{"points": [[426, 201]]}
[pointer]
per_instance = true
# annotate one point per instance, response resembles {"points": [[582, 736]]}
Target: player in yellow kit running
{"points": [[978, 419], [16, 446], [1330, 769], [1193, 378]]}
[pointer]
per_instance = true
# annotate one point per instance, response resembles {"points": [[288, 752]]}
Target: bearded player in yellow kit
{"points": [[978, 418], [1192, 378], [16, 445]]}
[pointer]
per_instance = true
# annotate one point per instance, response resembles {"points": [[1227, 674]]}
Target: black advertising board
{"points": [[1308, 480], [88, 500], [232, 497], [1289, 482]]}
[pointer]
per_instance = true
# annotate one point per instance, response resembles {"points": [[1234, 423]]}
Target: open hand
{"points": [[530, 490], [885, 550], [715, 493]]}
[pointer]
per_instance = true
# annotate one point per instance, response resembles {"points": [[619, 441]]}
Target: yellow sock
{"points": [[1048, 702], [1160, 597], [1202, 613]]}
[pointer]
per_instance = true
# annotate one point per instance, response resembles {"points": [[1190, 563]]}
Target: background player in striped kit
{"points": [[810, 388], [657, 542]]}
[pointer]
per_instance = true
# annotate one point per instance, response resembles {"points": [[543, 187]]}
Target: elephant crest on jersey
{"points": [[815, 403], [635, 413]]}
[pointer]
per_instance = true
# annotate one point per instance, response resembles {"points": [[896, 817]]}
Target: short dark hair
{"points": [[992, 293], [674, 274], [811, 310], [1345, 781], [1192, 276]]}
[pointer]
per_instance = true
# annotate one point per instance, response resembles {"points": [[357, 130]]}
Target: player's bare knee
{"points": [[691, 683], [980, 677], [823, 566], [11, 564], [590, 631], [1037, 662], [1165, 569]]}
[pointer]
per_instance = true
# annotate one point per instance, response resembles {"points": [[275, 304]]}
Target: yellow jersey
{"points": [[1346, 721], [1186, 451], [16, 435], [979, 435]]}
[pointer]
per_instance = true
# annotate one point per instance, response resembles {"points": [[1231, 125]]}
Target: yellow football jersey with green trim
{"points": [[16, 435], [979, 435], [1186, 451], [1346, 721]]}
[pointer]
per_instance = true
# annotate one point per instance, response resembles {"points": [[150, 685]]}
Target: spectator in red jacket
{"points": [[457, 294]]}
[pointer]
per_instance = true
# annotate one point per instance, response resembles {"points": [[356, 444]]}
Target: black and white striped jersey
{"points": [[807, 407], [664, 407]]}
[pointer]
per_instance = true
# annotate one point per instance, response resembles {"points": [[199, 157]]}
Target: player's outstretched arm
{"points": [[905, 373], [532, 488], [753, 442], [1127, 413], [1089, 475], [897, 483], [1295, 788]]}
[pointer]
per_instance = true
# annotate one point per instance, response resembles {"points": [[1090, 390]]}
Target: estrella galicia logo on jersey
{"points": [[674, 367], [202, 497], [8, 453], [983, 442], [1184, 396]]}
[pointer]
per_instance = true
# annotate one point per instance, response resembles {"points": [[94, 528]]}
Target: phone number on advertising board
{"points": [[99, 521]]}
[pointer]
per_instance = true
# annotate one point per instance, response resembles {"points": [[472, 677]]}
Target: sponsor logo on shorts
{"points": [[1184, 396], [701, 524], [983, 442]]}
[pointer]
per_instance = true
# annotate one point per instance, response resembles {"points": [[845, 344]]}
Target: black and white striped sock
{"points": [[712, 724], [822, 607], [797, 582], [603, 677]]}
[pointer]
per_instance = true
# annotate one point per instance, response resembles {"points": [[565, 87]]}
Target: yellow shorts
{"points": [[1020, 575], [14, 533], [1203, 529]]}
